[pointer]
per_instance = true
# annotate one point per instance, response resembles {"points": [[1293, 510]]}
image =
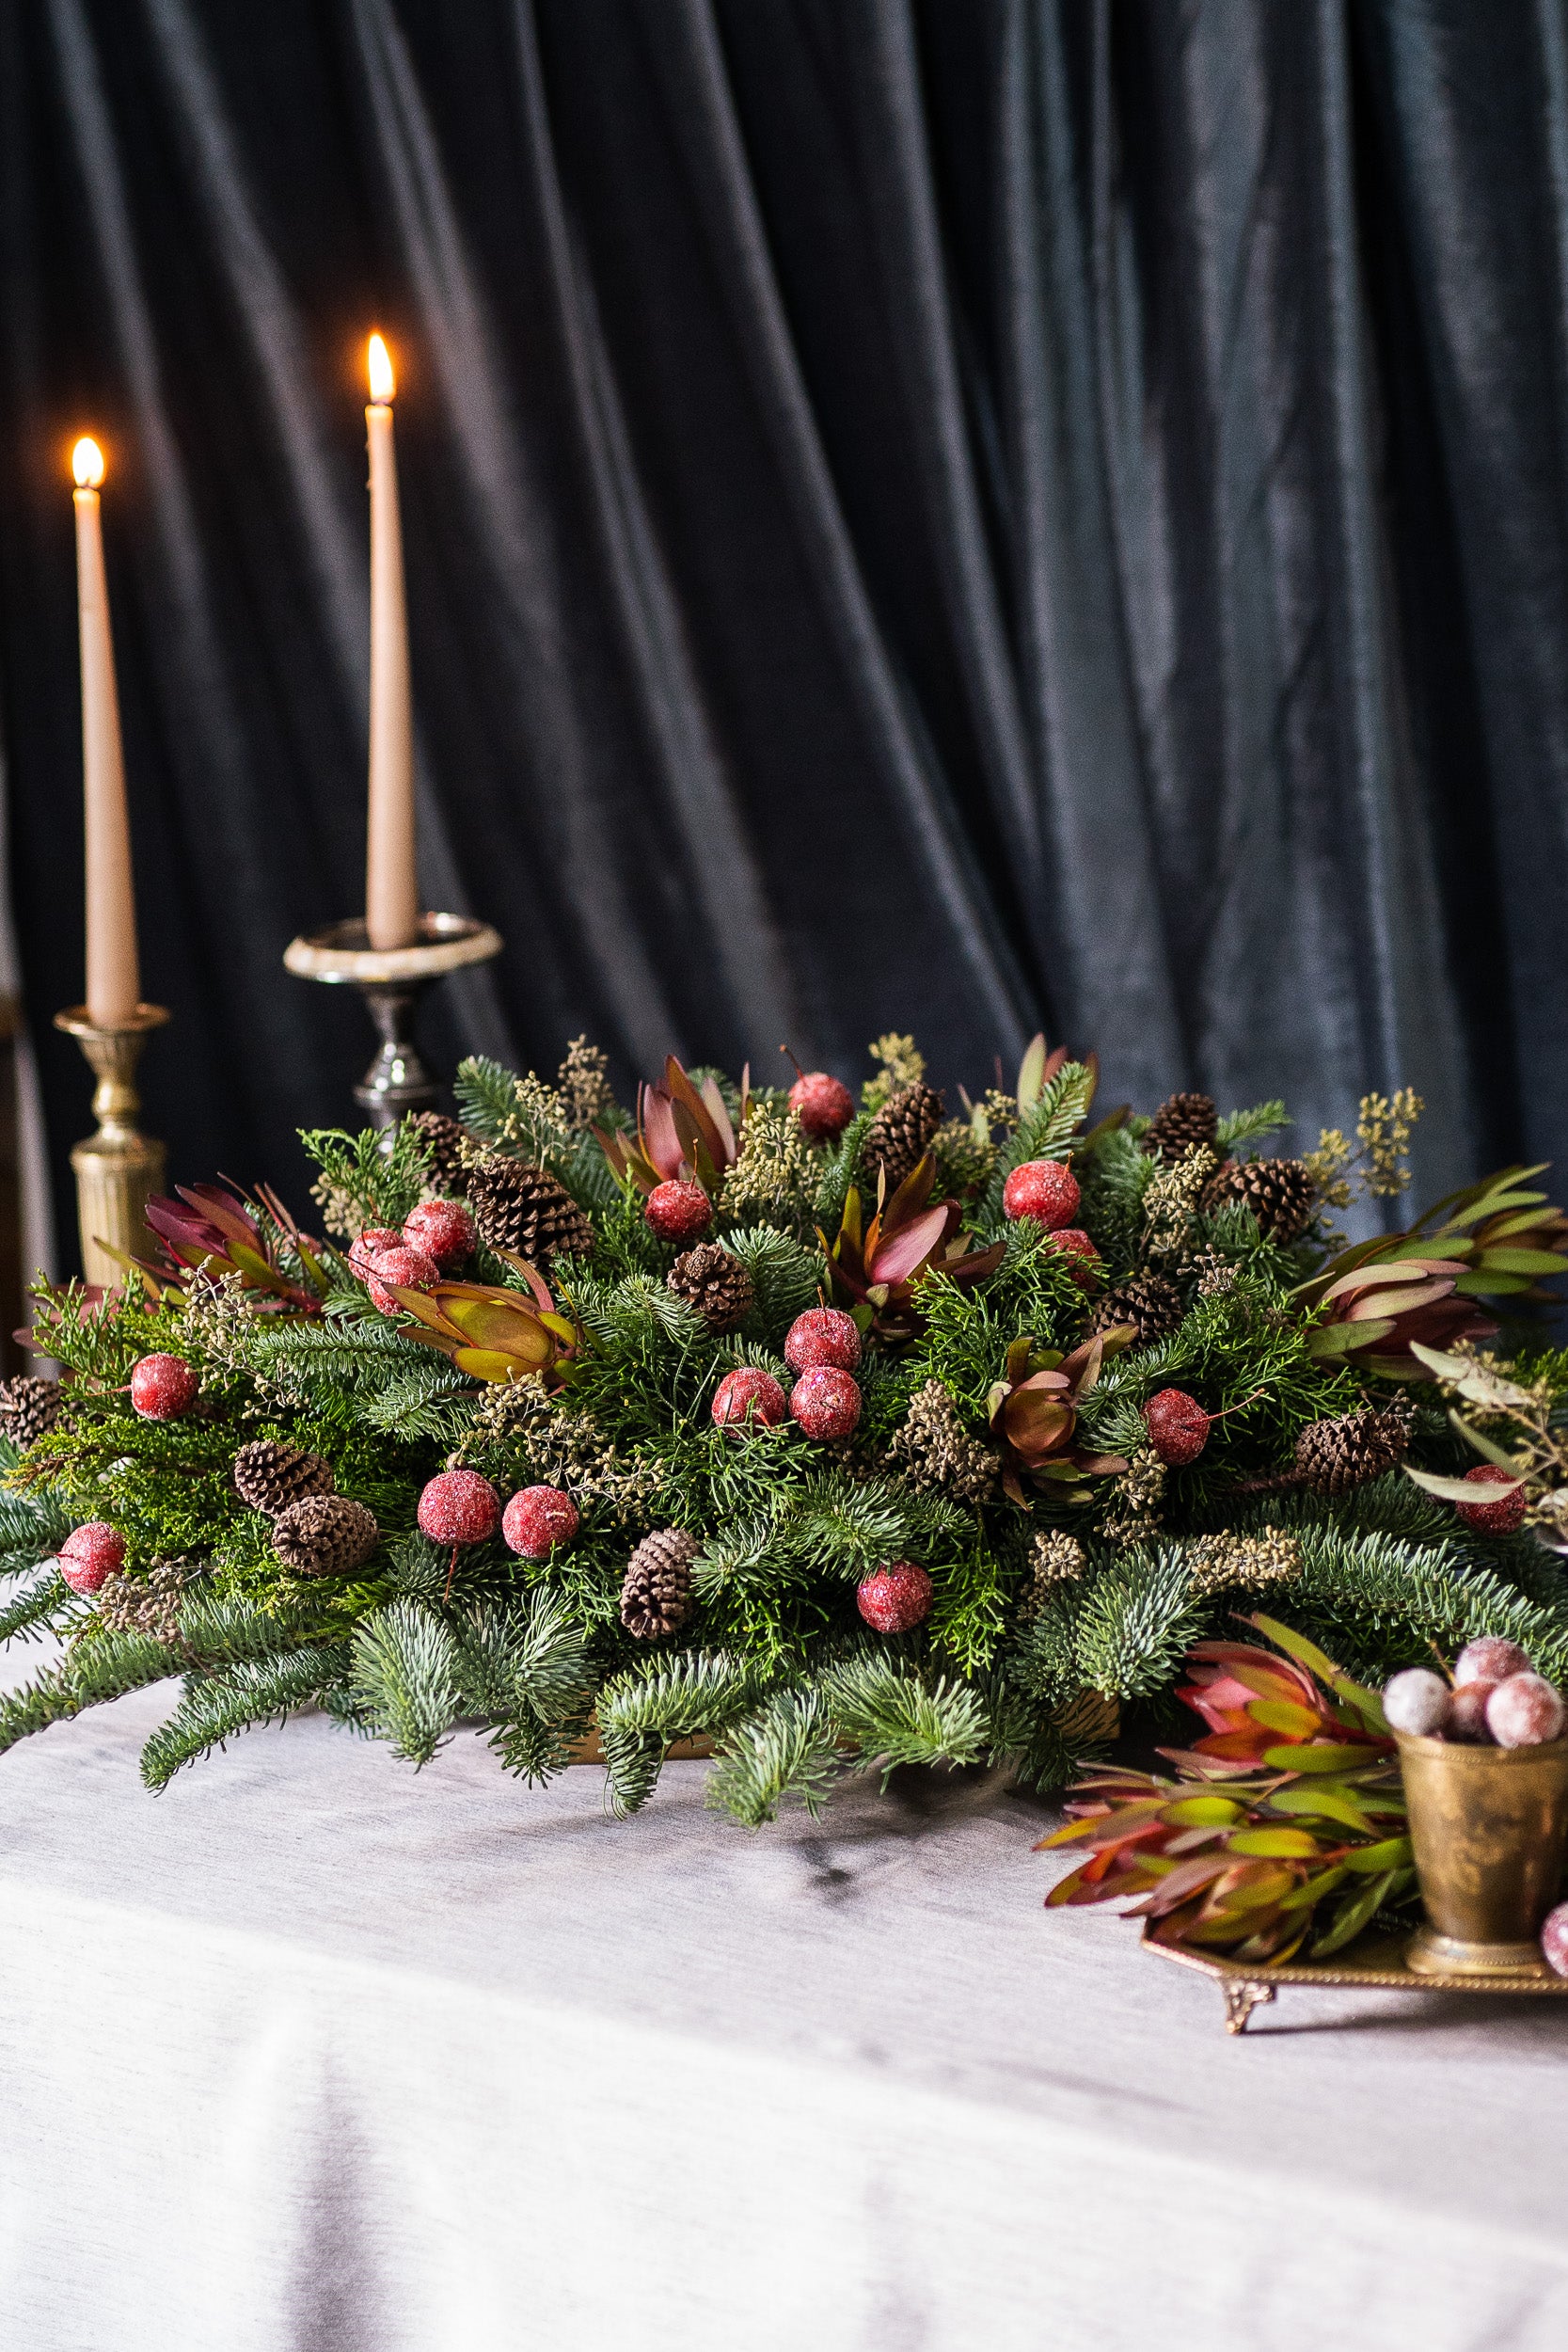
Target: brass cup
{"points": [[1489, 1827]]}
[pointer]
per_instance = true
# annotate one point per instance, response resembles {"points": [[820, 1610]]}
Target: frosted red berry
{"points": [[1500, 1517], [443, 1229], [824, 1106], [677, 1212], [1045, 1191], [749, 1398], [896, 1598], [824, 1335], [368, 1245], [91, 1554], [1490, 1659], [1554, 1940], [826, 1402], [1075, 1244], [163, 1388], [538, 1518], [410, 1269], [1525, 1712], [1466, 1720], [1417, 1702], [459, 1507], [1178, 1426]]}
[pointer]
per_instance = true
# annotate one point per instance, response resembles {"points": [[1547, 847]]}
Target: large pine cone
{"points": [[1279, 1193], [324, 1536], [444, 1139], [270, 1476], [1181, 1121], [524, 1208], [1332, 1456], [898, 1137], [656, 1597], [717, 1285], [29, 1408], [1148, 1301]]}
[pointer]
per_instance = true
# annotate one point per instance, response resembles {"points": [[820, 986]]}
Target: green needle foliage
{"points": [[1063, 1557]]}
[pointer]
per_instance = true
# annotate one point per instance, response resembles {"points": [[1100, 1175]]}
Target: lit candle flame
{"points": [[382, 381], [87, 463]]}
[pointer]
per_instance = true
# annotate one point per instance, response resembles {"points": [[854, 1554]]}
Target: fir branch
{"points": [[1023, 1739], [92, 1672], [641, 1711], [785, 1276], [896, 1717], [1265, 1118], [525, 1668], [419, 1403], [785, 1753], [405, 1676], [33, 1526], [31, 1612], [217, 1708], [1138, 1620], [486, 1097]]}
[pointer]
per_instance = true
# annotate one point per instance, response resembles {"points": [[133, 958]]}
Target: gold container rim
{"points": [[1488, 1758]]}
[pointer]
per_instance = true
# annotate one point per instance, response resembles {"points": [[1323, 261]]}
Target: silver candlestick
{"points": [[391, 980]]}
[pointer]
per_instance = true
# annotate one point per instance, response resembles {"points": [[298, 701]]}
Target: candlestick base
{"points": [[391, 980], [118, 1170]]}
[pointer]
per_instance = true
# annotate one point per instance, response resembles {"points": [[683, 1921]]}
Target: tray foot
{"points": [[1242, 1996]]}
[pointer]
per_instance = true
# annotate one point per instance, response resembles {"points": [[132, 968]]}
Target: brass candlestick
{"points": [[119, 1169], [391, 980]]}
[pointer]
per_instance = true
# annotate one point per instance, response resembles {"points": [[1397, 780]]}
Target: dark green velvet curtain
{"points": [[951, 514]]}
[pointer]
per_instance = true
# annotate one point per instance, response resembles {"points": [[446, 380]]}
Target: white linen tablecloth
{"points": [[314, 2054]]}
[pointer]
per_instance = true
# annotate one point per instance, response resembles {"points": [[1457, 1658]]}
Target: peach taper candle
{"points": [[114, 979], [391, 885]]}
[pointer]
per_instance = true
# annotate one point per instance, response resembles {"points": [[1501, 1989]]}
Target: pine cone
{"points": [[1150, 1304], [269, 1475], [444, 1138], [717, 1285], [1279, 1193], [1332, 1456], [29, 1408], [656, 1597], [522, 1209], [324, 1536], [1181, 1121], [897, 1138]]}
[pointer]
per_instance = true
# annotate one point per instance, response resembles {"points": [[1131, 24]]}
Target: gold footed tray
{"points": [[1374, 1963]]}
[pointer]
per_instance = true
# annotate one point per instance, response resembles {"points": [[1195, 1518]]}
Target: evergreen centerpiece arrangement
{"points": [[842, 1432]]}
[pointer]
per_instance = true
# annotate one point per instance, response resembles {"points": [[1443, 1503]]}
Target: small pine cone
{"points": [[324, 1536], [1179, 1122], [717, 1285], [1149, 1302], [902, 1130], [29, 1408], [1279, 1193], [444, 1139], [1332, 1456], [656, 1597], [270, 1476], [525, 1210]]}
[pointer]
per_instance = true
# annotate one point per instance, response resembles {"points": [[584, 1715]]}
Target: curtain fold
{"points": [[950, 515]]}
